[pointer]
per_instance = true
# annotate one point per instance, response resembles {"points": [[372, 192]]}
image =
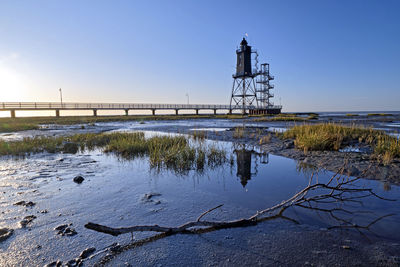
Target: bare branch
{"points": [[208, 211]]}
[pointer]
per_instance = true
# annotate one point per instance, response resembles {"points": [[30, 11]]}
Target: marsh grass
{"points": [[239, 132], [313, 116], [287, 117], [388, 147], [6, 127], [172, 152], [379, 114], [330, 136], [265, 139], [29, 123], [199, 135]]}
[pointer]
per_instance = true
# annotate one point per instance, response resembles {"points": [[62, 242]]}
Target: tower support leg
{"points": [[12, 113], [95, 112], [215, 111], [153, 111], [57, 113], [176, 111], [126, 112], [197, 112]]}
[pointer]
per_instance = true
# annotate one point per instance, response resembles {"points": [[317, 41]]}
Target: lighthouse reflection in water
{"points": [[247, 161]]}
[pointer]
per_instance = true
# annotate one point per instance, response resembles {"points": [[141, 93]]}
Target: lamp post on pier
{"points": [[60, 96]]}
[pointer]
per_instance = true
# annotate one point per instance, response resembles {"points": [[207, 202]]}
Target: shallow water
{"points": [[113, 190]]}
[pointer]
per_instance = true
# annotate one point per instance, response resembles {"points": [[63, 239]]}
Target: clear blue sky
{"points": [[325, 55]]}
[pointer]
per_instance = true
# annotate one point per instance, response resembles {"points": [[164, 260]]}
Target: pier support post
{"points": [[230, 112], [12, 113], [197, 112], [57, 113], [176, 111], [153, 111], [95, 112], [215, 111], [126, 112]]}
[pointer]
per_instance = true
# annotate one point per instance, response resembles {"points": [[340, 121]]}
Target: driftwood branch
{"points": [[338, 189]]}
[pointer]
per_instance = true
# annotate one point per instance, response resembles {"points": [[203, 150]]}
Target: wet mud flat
{"points": [[48, 221]]}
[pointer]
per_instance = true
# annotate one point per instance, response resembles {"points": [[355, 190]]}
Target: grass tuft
{"points": [[239, 132], [378, 114], [330, 136], [199, 135]]}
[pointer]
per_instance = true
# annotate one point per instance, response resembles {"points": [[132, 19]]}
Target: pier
{"points": [[57, 107]]}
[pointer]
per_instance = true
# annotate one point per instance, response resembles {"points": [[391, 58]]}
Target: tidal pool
{"points": [[114, 194]]}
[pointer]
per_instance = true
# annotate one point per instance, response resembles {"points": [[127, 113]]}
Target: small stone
{"points": [[78, 179], [27, 220], [115, 247], [44, 211], [24, 203], [87, 252], [150, 195], [65, 230], [5, 233], [289, 144], [61, 227], [345, 247], [72, 263], [54, 264]]}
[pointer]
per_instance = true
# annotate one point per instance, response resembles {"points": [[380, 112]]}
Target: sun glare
{"points": [[12, 85]]}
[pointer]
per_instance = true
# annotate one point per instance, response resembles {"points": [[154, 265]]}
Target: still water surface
{"points": [[114, 188]]}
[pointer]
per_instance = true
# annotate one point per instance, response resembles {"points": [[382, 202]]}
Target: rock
{"points": [[54, 264], [5, 233], [61, 227], [150, 195], [24, 203], [115, 247], [87, 252], [44, 211], [71, 148], [78, 179], [345, 247], [74, 263], [27, 220], [65, 230], [288, 144]]}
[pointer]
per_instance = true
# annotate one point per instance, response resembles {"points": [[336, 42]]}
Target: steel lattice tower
{"points": [[251, 87]]}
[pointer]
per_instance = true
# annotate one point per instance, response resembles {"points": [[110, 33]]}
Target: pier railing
{"points": [[67, 105]]}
